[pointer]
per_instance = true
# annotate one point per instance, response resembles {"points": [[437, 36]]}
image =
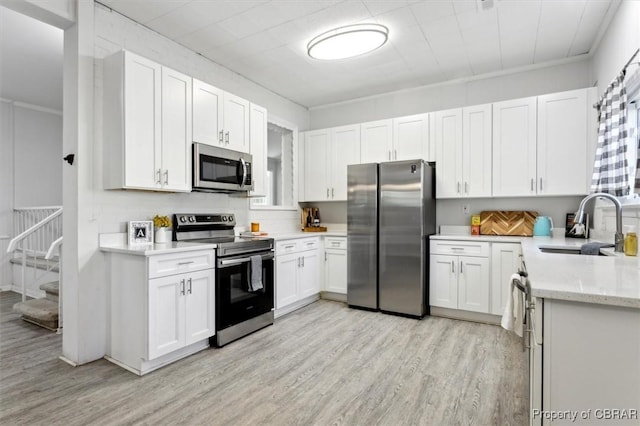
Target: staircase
{"points": [[42, 312], [37, 248]]}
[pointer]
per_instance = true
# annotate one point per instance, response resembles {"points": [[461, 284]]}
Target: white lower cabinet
{"points": [[335, 264], [162, 307], [297, 270], [460, 282], [506, 259]]}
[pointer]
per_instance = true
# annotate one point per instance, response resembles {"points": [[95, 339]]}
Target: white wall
{"points": [[99, 211], [619, 42], [38, 157], [6, 195], [573, 75]]}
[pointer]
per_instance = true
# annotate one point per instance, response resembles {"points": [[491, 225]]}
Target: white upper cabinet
{"points": [[411, 138], [317, 146], [176, 130], [403, 138], [376, 141], [327, 153], [562, 143], [147, 125], [448, 153], [236, 123], [258, 141], [345, 150], [514, 147], [207, 113], [476, 151], [220, 118]]}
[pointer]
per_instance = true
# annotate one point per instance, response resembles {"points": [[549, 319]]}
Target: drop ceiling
{"points": [[429, 41]]}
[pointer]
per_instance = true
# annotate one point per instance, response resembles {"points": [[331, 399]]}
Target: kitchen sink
{"points": [[564, 250]]}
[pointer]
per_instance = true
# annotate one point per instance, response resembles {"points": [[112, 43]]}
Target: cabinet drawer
{"points": [[169, 264], [465, 248], [335, 243], [297, 245]]}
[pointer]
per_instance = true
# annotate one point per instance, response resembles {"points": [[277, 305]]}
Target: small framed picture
{"points": [[140, 232]]}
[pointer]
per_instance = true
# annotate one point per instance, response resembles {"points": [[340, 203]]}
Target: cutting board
{"points": [[516, 223]]}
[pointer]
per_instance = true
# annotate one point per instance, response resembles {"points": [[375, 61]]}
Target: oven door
{"points": [[234, 302], [219, 169]]}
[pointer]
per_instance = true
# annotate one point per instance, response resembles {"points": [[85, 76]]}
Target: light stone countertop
{"points": [[609, 280], [116, 243]]}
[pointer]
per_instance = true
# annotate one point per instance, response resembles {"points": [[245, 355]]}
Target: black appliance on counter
{"points": [[239, 311]]}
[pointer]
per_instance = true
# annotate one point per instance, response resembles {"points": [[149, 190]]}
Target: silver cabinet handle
{"points": [[458, 187], [182, 287], [298, 262], [187, 263], [327, 193], [158, 173], [166, 177], [531, 184], [335, 244], [389, 155], [461, 267], [290, 246], [189, 291], [332, 193], [395, 154], [457, 248], [226, 137], [303, 262], [466, 187], [221, 137], [325, 256], [453, 267], [540, 184]]}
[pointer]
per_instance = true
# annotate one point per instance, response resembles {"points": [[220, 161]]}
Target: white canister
{"points": [[163, 235]]}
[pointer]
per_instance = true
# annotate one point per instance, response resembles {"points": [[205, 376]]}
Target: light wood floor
{"points": [[324, 364]]}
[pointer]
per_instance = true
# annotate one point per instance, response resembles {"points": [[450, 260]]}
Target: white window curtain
{"points": [[611, 169]]}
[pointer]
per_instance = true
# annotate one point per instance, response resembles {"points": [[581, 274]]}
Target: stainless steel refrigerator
{"points": [[391, 212]]}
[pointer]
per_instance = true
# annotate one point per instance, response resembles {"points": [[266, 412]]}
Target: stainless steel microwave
{"points": [[220, 170]]}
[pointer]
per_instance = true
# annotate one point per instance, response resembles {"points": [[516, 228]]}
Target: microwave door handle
{"points": [[244, 172]]}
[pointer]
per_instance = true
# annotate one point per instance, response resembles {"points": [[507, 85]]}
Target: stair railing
{"points": [[37, 239], [53, 249]]}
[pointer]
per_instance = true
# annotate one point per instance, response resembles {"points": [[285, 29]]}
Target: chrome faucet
{"points": [[619, 239]]}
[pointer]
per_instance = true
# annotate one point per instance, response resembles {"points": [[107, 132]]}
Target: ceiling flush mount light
{"points": [[347, 42]]}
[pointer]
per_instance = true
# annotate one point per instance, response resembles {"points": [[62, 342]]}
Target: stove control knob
{"points": [[230, 218], [224, 218], [183, 219], [192, 218]]}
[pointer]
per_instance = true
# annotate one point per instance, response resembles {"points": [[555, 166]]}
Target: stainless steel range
{"points": [[244, 290]]}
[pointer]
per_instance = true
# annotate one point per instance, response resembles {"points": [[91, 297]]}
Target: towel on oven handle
{"points": [[255, 273]]}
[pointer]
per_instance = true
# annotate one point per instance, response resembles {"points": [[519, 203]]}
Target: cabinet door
{"points": [[376, 141], [449, 153], [287, 279], [505, 261], [514, 147], [562, 143], [335, 271], [258, 143], [345, 150], [207, 114], [476, 151], [411, 137], [443, 281], [176, 131], [236, 123], [473, 284], [142, 157], [200, 306], [317, 147], [309, 274], [166, 315]]}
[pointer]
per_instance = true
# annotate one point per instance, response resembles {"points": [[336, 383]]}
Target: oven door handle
{"points": [[237, 261]]}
